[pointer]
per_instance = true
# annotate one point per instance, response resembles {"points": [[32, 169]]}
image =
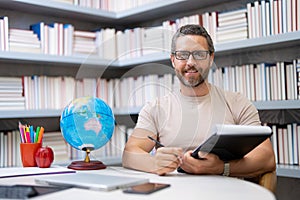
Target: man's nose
{"points": [[191, 60]]}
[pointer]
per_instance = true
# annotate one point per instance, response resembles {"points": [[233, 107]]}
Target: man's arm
{"points": [[258, 161], [136, 154]]}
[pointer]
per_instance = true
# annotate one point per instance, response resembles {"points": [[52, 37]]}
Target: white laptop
{"points": [[91, 181]]}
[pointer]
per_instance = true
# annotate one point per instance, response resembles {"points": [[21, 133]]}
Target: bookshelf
{"points": [[272, 48], [275, 47]]}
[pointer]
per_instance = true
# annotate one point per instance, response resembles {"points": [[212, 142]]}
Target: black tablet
{"points": [[231, 142]]}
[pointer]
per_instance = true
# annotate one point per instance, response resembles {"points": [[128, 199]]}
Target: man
{"points": [[183, 119]]}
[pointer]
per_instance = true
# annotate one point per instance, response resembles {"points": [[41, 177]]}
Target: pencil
{"points": [[21, 129], [156, 142], [41, 133]]}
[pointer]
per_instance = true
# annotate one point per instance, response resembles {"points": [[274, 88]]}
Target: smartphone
{"points": [[146, 188], [26, 191]]}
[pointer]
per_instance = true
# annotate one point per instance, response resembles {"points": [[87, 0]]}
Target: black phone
{"points": [[146, 188], [26, 191]]}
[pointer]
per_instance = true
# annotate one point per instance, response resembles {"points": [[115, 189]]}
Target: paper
{"points": [[32, 171]]}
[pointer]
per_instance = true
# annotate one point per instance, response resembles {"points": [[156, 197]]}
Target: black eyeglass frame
{"points": [[189, 52]]}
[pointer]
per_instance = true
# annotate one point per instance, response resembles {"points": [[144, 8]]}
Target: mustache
{"points": [[193, 68]]}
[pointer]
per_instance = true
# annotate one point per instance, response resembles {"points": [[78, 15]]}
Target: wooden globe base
{"points": [[82, 165], [87, 164]]}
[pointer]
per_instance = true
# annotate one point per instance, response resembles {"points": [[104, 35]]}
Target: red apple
{"points": [[44, 157]]}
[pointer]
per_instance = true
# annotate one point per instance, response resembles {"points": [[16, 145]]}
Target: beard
{"points": [[193, 81]]}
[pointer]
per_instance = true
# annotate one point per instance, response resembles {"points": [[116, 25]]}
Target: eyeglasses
{"points": [[184, 55]]}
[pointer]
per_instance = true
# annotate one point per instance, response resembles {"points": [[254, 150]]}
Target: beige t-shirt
{"points": [[183, 121]]}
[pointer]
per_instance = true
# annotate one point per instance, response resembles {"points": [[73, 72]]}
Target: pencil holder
{"points": [[28, 151]]}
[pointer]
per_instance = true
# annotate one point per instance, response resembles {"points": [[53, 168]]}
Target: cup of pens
{"points": [[31, 141]]}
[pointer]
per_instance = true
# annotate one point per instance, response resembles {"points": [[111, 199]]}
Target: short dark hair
{"points": [[192, 29]]}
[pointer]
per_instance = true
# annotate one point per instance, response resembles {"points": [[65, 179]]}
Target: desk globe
{"points": [[87, 124]]}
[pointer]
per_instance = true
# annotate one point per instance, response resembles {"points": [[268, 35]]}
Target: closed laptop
{"points": [[91, 181]]}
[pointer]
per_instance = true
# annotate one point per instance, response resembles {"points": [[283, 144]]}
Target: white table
{"points": [[182, 186]]}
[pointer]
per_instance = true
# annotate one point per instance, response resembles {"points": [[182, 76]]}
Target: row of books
{"points": [[11, 93], [10, 149], [63, 152], [23, 41], [230, 26], [286, 143], [270, 17], [261, 82], [257, 19], [109, 5], [41, 92]]}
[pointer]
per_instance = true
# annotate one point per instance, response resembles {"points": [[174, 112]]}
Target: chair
{"points": [[267, 180]]}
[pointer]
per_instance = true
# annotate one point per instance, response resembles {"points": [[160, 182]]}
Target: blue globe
{"points": [[87, 123]]}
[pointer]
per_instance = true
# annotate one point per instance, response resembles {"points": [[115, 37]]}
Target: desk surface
{"points": [[182, 185]]}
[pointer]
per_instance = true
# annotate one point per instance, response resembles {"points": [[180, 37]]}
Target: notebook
{"points": [[91, 181]]}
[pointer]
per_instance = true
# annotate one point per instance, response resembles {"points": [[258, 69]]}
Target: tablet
{"points": [[231, 142]]}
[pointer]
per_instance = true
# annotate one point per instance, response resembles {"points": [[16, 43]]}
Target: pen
{"points": [[27, 134], [31, 133], [37, 132], [156, 142]]}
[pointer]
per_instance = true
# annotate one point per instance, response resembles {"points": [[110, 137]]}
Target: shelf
{"points": [[19, 114], [44, 113], [260, 105], [127, 111], [135, 15], [277, 105], [280, 47], [291, 171], [77, 60], [54, 8], [279, 40], [36, 58]]}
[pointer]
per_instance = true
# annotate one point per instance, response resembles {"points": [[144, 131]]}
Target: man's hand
{"points": [[167, 159], [209, 164]]}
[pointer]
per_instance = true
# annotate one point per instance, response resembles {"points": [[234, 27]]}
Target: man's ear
{"points": [[172, 60], [212, 56]]}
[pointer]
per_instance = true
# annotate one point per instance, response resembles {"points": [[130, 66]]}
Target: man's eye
{"points": [[200, 54], [184, 54]]}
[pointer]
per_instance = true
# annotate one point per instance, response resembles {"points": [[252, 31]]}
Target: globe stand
{"points": [[87, 164]]}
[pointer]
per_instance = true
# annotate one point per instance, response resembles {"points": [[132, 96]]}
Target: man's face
{"points": [[192, 72]]}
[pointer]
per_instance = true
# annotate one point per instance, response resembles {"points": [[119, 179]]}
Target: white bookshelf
{"points": [[278, 47]]}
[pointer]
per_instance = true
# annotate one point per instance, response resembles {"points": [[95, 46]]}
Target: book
{"points": [[39, 30]]}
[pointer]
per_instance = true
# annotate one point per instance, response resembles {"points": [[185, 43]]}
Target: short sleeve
{"points": [[146, 118]]}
